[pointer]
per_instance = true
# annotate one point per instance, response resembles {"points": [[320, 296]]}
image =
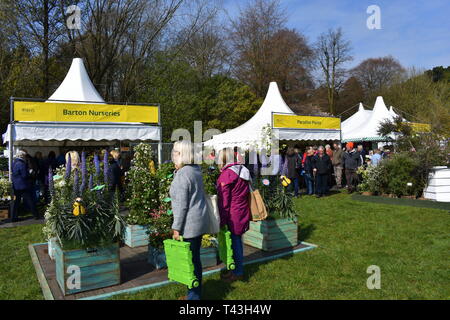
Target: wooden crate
{"points": [[270, 235], [208, 256], [99, 267], [4, 213], [136, 236]]}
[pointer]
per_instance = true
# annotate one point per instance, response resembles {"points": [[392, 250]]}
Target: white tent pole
{"points": [[160, 137], [11, 142]]}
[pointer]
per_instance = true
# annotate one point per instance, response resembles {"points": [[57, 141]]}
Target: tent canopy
{"points": [[364, 124], [77, 87], [251, 132]]}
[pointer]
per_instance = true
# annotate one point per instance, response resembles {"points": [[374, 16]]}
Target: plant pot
{"points": [[136, 235], [270, 235], [95, 268], [156, 257], [208, 256], [52, 247]]}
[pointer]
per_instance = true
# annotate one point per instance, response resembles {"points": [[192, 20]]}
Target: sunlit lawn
{"points": [[410, 245]]}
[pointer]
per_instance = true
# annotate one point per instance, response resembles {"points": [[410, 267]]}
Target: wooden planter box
{"points": [[4, 211], [208, 256], [270, 235], [99, 267], [157, 258], [136, 236]]}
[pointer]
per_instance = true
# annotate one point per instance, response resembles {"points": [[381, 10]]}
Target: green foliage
{"points": [[160, 227], [278, 200], [402, 170], [374, 179], [165, 177], [100, 225], [143, 186], [210, 175], [5, 190]]}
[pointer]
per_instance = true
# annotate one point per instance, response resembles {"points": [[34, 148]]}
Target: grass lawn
{"points": [[410, 245]]}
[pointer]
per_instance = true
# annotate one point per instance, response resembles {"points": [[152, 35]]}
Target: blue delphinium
{"points": [[91, 182], [76, 179], [97, 165], [106, 168], [68, 168], [83, 171], [50, 181]]}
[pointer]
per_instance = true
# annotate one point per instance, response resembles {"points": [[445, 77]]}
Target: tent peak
{"points": [[361, 107], [379, 105], [77, 86]]}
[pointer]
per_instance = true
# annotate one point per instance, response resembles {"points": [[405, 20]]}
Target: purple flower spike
{"points": [[83, 171], [50, 181], [106, 168], [76, 179], [97, 164], [91, 182], [68, 168]]}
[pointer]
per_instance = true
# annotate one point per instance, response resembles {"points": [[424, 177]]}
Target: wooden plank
{"points": [[136, 236], [40, 274]]}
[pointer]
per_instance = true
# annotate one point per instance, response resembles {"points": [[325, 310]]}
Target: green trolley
{"points": [[179, 262], [225, 249]]}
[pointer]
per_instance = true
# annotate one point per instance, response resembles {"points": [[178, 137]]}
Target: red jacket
{"points": [[233, 198]]}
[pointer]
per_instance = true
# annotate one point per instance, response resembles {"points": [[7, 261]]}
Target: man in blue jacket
{"points": [[22, 186]]}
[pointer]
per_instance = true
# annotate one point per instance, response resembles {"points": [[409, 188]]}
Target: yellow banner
{"points": [[74, 112], [305, 122], [420, 127]]}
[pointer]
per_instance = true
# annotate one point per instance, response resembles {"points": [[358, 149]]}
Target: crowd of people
{"points": [[30, 175], [319, 168]]}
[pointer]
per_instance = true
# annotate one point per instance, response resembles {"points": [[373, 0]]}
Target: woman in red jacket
{"points": [[233, 203]]}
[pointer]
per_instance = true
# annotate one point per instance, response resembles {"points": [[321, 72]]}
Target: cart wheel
{"points": [[195, 283], [231, 266]]}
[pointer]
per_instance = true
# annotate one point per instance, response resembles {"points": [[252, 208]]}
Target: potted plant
{"points": [[208, 251], [143, 191], [5, 197], [160, 230], [85, 219], [280, 229]]}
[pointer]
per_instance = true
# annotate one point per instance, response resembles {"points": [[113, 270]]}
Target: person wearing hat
{"points": [[352, 160]]}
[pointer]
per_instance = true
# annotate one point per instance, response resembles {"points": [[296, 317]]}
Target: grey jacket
{"points": [[190, 215]]}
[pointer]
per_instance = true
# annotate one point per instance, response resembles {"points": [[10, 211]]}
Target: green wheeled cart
{"points": [[225, 249], [179, 262]]}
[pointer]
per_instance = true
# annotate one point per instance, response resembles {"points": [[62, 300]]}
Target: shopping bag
{"points": [[257, 207], [213, 214]]}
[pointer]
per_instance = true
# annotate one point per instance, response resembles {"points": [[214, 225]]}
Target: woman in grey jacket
{"points": [[190, 215]]}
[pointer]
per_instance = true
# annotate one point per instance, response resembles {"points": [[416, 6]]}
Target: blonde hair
{"points": [[115, 154], [74, 159], [226, 156], [186, 153]]}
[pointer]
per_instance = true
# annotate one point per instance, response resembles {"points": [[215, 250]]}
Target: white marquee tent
{"points": [[250, 134], [364, 124], [77, 87]]}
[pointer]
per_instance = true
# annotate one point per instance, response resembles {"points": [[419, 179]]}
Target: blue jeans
{"points": [[195, 293], [309, 183], [238, 254]]}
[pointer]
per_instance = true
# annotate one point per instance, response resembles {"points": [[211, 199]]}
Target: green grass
{"points": [[17, 275], [410, 245]]}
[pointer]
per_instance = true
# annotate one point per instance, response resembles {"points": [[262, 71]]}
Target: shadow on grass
{"points": [[305, 231]]}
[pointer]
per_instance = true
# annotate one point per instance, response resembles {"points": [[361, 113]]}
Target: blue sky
{"points": [[416, 32]]}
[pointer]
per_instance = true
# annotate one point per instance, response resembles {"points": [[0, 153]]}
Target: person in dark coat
{"points": [[321, 168], [292, 163], [352, 161], [116, 173], [308, 168], [22, 186]]}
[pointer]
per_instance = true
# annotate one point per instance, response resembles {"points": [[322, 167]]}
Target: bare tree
{"points": [[333, 51], [37, 26], [377, 73]]}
